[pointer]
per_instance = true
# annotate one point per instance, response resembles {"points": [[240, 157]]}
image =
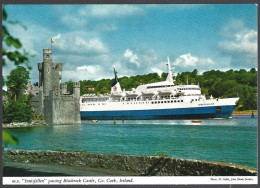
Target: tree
{"points": [[70, 86], [17, 81], [19, 110], [8, 40]]}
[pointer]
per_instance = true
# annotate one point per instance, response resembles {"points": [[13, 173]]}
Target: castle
{"points": [[51, 98]]}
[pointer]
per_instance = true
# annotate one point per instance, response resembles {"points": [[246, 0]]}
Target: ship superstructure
{"points": [[159, 100]]}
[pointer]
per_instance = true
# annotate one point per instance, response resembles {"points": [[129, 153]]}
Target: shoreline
{"points": [[41, 123], [34, 123], [138, 164]]}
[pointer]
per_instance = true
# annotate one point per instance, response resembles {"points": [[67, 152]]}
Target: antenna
{"points": [[168, 59]]}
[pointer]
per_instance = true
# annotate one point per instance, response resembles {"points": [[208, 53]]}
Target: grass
{"points": [[245, 112], [160, 154]]}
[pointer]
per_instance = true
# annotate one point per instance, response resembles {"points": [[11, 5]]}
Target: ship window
{"points": [[168, 101], [171, 101], [178, 101], [174, 100], [155, 102], [181, 100], [195, 99]]}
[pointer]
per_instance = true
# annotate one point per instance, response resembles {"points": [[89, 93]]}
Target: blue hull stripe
{"points": [[180, 113]]}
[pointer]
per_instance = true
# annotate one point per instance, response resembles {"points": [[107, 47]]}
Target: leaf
{"points": [[13, 22], [16, 43], [8, 41], [11, 41], [9, 139], [4, 14], [5, 32]]}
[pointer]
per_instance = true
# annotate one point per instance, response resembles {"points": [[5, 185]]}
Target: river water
{"points": [[231, 140]]}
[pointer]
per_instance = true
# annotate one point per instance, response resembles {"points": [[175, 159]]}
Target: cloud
{"points": [[187, 62], [131, 57], [79, 43], [86, 72], [104, 11], [239, 43], [57, 36], [158, 71]]}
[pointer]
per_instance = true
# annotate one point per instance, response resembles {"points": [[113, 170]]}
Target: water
{"points": [[227, 140]]}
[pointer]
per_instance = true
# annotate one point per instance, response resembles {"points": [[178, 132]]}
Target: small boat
{"points": [[196, 121], [94, 121]]}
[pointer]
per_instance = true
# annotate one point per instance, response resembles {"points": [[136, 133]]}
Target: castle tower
{"points": [[47, 71], [54, 102], [63, 87], [76, 89]]}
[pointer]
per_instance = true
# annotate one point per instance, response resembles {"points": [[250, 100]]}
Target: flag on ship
{"points": [[115, 84]]}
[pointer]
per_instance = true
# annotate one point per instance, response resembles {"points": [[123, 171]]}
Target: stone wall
{"points": [[143, 165]]}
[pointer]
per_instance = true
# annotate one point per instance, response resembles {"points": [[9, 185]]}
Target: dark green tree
{"points": [[17, 82], [19, 110]]}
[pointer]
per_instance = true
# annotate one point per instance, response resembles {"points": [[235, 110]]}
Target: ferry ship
{"points": [[159, 100]]}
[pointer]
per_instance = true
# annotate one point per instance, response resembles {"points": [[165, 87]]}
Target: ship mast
{"points": [[169, 77]]}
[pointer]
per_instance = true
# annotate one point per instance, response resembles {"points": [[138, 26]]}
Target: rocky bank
{"points": [[142, 165]]}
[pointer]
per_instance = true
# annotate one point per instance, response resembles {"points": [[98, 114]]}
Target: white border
{"points": [[132, 180]]}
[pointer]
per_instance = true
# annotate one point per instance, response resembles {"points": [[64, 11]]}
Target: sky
{"points": [[136, 39]]}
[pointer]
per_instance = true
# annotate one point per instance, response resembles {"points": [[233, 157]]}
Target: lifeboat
{"points": [[132, 93], [147, 92], [165, 91], [117, 94]]}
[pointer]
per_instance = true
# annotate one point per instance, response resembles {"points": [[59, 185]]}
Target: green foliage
{"points": [[160, 154], [242, 84], [17, 81], [17, 111], [104, 85], [70, 86], [17, 56], [37, 117], [9, 139]]}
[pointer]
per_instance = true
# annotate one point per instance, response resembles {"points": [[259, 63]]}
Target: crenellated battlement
{"points": [[76, 84]]}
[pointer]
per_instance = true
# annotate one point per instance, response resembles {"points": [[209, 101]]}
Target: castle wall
{"points": [[37, 103], [64, 111], [52, 99], [48, 108]]}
